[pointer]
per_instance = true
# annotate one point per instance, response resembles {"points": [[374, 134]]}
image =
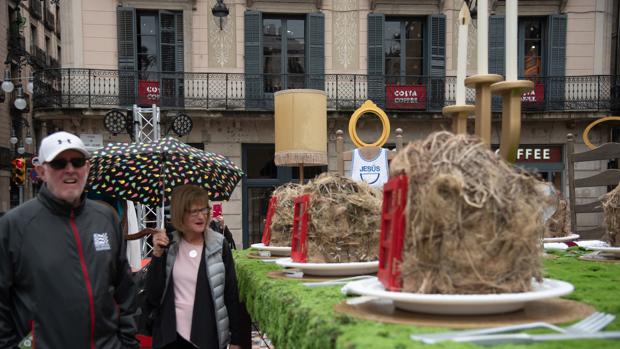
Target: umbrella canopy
{"points": [[147, 172]]}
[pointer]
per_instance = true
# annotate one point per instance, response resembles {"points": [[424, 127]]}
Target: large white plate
{"points": [[274, 250], [570, 237], [331, 269], [605, 250], [460, 304]]}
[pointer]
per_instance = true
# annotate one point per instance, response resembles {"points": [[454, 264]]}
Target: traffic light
{"points": [[18, 175]]}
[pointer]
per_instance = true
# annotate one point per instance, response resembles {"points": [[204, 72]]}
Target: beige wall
{"points": [[89, 35]]}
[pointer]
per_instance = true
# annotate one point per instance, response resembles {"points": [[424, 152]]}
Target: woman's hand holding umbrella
{"points": [[160, 242]]}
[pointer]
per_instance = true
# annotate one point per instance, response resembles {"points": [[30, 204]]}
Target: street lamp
{"points": [[20, 101], [220, 11], [7, 84]]}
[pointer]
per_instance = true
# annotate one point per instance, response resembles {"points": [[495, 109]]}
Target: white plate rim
{"points": [[551, 288], [288, 263], [609, 249], [261, 246], [570, 237]]}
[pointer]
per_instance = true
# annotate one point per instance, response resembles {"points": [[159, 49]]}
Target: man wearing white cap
{"points": [[64, 275]]}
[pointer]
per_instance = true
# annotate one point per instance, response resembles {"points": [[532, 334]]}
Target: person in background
{"points": [[191, 282], [64, 275], [217, 224]]}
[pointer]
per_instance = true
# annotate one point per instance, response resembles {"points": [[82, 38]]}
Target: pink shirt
{"points": [[185, 273]]}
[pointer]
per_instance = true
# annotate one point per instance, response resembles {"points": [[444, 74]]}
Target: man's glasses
{"points": [[204, 211], [59, 164]]}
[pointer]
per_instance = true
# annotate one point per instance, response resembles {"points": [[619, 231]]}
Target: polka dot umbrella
{"points": [[147, 172]]}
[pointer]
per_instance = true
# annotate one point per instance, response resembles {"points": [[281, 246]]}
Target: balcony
{"points": [[36, 10], [39, 57], [95, 88]]}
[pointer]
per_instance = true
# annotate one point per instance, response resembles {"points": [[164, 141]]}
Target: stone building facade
{"points": [[223, 72]]}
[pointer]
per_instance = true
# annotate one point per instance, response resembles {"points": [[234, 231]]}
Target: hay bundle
{"points": [[473, 223], [282, 220], [559, 223], [611, 209], [344, 220]]}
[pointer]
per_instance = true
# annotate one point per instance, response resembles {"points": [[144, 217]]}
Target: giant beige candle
{"points": [[483, 37], [461, 66], [512, 16]]}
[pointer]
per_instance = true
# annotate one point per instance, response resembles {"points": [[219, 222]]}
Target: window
{"points": [[403, 44], [148, 49], [532, 50], [34, 39], [283, 53]]}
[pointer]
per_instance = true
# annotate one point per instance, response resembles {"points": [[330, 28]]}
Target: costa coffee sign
{"points": [[537, 153], [148, 92], [537, 95], [405, 96]]}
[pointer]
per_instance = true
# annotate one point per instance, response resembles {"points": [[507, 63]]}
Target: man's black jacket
{"points": [[64, 273]]}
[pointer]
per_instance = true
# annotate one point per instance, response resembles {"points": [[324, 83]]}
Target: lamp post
{"points": [[220, 11]]}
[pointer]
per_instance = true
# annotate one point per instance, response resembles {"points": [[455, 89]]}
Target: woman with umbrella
{"points": [[191, 282]]}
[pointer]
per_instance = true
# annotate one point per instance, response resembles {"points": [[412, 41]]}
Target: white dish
{"points": [[460, 304], [331, 269], [274, 250], [605, 250], [580, 243], [570, 237]]}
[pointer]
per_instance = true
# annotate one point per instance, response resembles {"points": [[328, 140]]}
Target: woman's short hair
{"points": [[183, 197]]}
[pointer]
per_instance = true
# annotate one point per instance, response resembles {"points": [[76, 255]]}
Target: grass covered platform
{"points": [[295, 316]]}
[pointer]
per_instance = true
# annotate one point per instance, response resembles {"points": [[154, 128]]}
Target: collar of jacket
{"points": [[210, 241], [57, 206]]}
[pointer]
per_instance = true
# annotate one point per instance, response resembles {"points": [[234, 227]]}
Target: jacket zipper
{"points": [[89, 288]]}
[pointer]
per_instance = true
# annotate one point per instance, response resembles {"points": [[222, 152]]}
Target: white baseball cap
{"points": [[56, 143]]}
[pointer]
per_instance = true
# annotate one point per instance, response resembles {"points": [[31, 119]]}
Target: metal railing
{"points": [[88, 88]]}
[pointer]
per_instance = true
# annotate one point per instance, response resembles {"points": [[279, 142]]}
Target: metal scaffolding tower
{"points": [[147, 130]]}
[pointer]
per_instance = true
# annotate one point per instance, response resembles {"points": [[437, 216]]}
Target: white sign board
{"points": [[92, 141]]}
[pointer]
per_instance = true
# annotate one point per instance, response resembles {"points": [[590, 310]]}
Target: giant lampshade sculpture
{"points": [[301, 128]]}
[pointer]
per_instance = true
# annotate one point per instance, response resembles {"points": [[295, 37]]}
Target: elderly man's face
{"points": [[66, 183]]}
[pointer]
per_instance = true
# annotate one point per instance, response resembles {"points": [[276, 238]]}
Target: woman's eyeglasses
{"points": [[59, 164], [204, 211]]}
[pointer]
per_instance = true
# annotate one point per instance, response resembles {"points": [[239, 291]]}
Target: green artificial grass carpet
{"points": [[295, 316]]}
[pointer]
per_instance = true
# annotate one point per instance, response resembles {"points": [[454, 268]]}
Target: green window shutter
{"points": [[253, 41], [170, 51], [376, 59], [180, 54], [496, 53], [496, 45], [556, 62], [435, 60], [315, 51], [126, 39], [180, 60]]}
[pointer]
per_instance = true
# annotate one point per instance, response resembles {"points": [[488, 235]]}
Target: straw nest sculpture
{"points": [[344, 223], [611, 213], [282, 220], [474, 224], [559, 223]]}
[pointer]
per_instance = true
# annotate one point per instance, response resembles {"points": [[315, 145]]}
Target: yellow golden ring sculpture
{"points": [[369, 107], [586, 132]]}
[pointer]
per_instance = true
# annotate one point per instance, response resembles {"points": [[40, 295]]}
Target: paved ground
{"points": [[260, 343]]}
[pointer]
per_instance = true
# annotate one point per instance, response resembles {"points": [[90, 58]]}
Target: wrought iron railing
{"points": [[90, 88]]}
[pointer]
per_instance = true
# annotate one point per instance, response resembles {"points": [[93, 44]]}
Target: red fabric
{"points": [[89, 287], [145, 262], [146, 342]]}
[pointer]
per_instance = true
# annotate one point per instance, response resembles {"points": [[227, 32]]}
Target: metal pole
{"points": [[21, 194]]}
